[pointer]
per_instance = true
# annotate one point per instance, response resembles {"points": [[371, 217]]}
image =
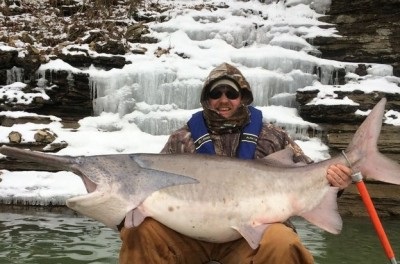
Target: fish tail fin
{"points": [[363, 152], [381, 168], [57, 162]]}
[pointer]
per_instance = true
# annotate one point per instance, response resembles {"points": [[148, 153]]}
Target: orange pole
{"points": [[357, 178]]}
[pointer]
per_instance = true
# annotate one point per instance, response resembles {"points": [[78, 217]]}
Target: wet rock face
{"points": [[68, 95], [339, 122], [70, 98], [369, 31], [384, 196], [83, 58], [7, 59], [29, 64], [332, 114]]}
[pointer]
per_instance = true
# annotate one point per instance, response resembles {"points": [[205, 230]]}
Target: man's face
{"points": [[225, 100]]}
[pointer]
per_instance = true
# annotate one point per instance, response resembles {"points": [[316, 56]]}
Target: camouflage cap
{"points": [[227, 71]]}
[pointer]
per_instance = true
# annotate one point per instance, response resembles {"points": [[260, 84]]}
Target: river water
{"points": [[43, 237]]}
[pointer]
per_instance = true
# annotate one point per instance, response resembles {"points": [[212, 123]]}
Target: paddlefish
{"points": [[214, 198]]}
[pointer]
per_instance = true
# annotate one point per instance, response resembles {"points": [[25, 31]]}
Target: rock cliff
{"points": [[369, 31]]}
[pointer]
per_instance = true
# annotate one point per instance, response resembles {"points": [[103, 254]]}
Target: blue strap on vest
{"points": [[248, 139]]}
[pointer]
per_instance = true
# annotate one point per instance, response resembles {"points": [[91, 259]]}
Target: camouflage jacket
{"points": [[270, 140]]}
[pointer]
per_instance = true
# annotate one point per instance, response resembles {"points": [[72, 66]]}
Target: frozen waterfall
{"points": [[267, 43]]}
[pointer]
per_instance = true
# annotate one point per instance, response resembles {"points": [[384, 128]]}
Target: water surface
{"points": [[41, 237], [55, 238]]}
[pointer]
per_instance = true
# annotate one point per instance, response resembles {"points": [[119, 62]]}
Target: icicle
{"points": [[15, 75]]}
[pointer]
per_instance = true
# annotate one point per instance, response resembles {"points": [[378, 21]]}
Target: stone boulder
{"points": [[15, 137]]}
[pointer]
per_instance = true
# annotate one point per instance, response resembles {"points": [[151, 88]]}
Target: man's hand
{"points": [[339, 175]]}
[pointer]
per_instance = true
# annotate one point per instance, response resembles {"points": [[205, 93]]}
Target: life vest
{"points": [[248, 138]]}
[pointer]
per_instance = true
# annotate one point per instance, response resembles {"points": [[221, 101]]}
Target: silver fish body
{"points": [[236, 198]]}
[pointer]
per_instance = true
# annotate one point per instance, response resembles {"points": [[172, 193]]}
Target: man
{"points": [[227, 126]]}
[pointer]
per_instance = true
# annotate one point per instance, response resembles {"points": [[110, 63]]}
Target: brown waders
{"points": [[154, 243]]}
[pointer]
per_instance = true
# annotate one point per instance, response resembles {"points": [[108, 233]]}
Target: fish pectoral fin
{"points": [[326, 215], [252, 234]]}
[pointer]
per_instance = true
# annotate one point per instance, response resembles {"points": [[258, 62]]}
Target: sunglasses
{"points": [[230, 93]]}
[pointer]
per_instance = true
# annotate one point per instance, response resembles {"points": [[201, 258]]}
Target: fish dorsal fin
{"points": [[281, 158], [326, 215], [149, 181], [252, 234]]}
